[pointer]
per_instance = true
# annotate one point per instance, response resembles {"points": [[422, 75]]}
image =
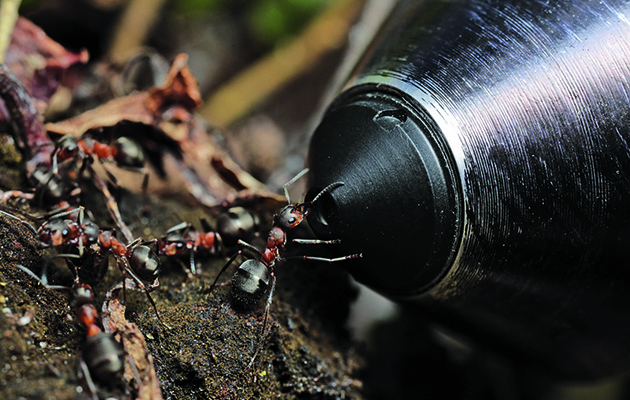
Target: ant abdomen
{"points": [[128, 154], [104, 357], [236, 223], [250, 282], [49, 187], [145, 263]]}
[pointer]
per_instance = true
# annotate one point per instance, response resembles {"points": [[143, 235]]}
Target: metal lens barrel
{"points": [[484, 147]]}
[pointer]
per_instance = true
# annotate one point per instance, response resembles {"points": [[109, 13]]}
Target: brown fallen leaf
{"points": [[38, 61], [180, 88], [33, 70], [182, 149], [140, 364]]}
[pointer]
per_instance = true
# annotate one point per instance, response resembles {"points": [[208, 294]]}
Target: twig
{"points": [[249, 89], [8, 17], [133, 28], [112, 206]]}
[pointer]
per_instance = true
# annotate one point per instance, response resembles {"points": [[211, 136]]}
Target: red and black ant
{"points": [[138, 260], [79, 238], [184, 237], [256, 276], [102, 356], [233, 224], [124, 152]]}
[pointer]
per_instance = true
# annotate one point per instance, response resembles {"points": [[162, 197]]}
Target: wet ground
{"points": [[305, 352]]}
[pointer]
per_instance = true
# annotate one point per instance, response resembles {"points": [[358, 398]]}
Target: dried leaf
{"points": [[133, 341], [183, 153], [38, 61], [180, 89]]}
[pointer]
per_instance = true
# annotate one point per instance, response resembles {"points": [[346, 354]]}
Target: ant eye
{"points": [[291, 220]]}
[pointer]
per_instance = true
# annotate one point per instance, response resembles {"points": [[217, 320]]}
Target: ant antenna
{"points": [[291, 182], [40, 280], [29, 226], [328, 188]]}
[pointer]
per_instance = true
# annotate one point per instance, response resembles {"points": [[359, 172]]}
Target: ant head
{"points": [[291, 216], [82, 293], [54, 232], [67, 147], [172, 243], [90, 232]]}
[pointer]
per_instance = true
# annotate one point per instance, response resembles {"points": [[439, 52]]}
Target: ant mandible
{"points": [[255, 275]]}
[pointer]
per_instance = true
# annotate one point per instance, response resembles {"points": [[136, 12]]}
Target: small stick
{"points": [[8, 18]]}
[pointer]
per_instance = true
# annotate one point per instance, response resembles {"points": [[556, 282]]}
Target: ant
{"points": [[102, 356], [233, 224], [184, 237], [124, 152], [257, 275], [58, 231], [137, 259], [75, 238]]}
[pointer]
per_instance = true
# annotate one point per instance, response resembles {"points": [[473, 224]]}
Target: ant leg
{"points": [[70, 265], [145, 188], [229, 262], [219, 246], [264, 325], [157, 314], [103, 266], [140, 285], [110, 176], [138, 242], [322, 259], [47, 262], [79, 209], [40, 280], [193, 268], [88, 378], [20, 220], [250, 247], [112, 205], [316, 241]]}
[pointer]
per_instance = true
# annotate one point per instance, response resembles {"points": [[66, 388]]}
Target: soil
{"points": [[305, 352]]}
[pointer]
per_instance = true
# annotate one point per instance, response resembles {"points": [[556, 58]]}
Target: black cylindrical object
{"points": [[484, 147]]}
